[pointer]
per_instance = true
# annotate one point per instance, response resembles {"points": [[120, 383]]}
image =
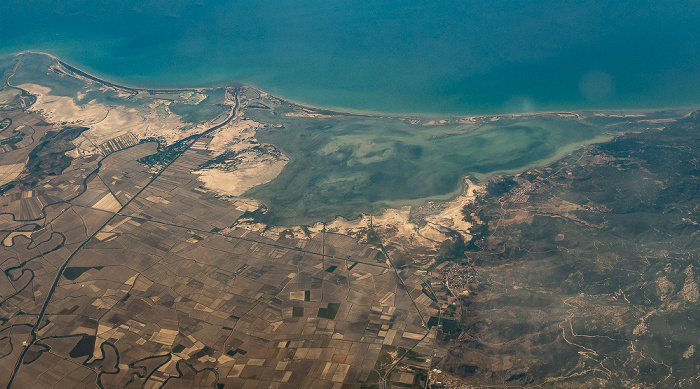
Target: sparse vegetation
{"points": [[49, 157]]}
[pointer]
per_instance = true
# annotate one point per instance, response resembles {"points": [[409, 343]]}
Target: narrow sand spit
{"points": [[245, 163], [308, 114]]}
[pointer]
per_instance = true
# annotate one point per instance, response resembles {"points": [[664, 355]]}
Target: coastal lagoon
{"points": [[136, 251], [346, 165]]}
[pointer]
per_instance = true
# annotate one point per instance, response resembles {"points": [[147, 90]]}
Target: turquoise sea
{"points": [[435, 56]]}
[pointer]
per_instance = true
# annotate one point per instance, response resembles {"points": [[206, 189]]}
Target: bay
{"points": [[434, 57]]}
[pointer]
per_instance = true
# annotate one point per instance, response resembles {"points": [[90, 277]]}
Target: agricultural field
{"points": [[226, 238]]}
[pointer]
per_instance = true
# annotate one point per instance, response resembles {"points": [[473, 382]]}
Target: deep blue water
{"points": [[435, 56]]}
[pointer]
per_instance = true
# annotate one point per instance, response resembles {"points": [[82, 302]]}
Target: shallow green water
{"points": [[349, 165]]}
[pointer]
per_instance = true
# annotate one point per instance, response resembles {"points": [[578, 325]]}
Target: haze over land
{"points": [[136, 247], [172, 216]]}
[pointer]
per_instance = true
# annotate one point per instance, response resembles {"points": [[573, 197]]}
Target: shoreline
{"points": [[72, 71], [345, 110]]}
